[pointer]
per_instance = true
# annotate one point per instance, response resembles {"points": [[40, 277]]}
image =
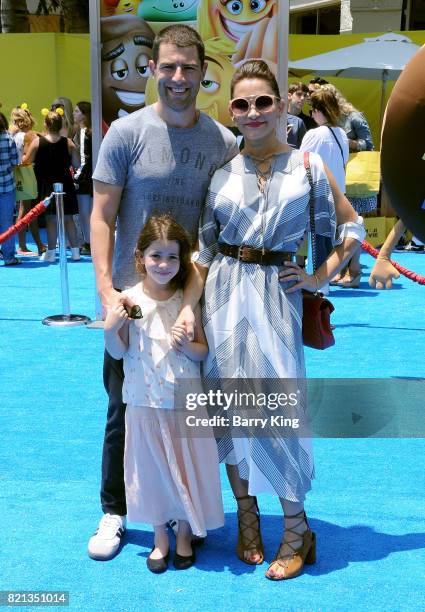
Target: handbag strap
{"points": [[311, 209], [337, 142]]}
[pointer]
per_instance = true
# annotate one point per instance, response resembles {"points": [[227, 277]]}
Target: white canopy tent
{"points": [[381, 58]]}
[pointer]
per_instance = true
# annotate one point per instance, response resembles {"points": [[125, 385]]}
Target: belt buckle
{"points": [[240, 252]]}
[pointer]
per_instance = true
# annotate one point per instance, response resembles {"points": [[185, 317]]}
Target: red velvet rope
{"points": [[30, 216], [417, 278]]}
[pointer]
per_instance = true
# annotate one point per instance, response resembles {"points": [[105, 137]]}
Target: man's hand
{"points": [[115, 318], [383, 273], [112, 298], [185, 320]]}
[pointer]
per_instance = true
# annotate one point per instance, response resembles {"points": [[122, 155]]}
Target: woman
{"points": [[23, 134], [82, 177], [328, 140], [53, 155], [253, 310], [357, 129], [8, 159], [65, 104]]}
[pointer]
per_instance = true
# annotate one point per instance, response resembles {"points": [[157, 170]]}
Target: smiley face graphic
{"points": [[127, 7], [168, 10], [231, 18], [126, 51], [214, 93]]}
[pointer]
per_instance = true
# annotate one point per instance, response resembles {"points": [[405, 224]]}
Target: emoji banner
{"points": [[233, 31]]}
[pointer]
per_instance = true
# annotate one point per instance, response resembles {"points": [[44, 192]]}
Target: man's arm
{"points": [[106, 202]]}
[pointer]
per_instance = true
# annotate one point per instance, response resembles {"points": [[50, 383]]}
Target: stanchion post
{"points": [[66, 319], [58, 191]]}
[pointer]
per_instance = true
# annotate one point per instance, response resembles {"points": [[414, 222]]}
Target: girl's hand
{"points": [[116, 316], [293, 273], [180, 336], [186, 319]]}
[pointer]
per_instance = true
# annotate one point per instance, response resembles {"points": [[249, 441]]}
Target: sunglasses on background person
{"points": [[262, 103], [56, 106]]}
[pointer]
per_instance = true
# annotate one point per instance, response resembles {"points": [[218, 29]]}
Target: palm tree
{"points": [[74, 14], [14, 16]]}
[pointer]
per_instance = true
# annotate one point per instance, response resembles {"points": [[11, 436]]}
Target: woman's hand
{"points": [[116, 317], [296, 274], [180, 336]]}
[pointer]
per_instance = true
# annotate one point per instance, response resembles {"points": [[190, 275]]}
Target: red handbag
{"points": [[316, 328]]}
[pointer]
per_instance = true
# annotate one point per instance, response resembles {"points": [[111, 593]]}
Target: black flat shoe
{"points": [[182, 563], [197, 541], [158, 566]]}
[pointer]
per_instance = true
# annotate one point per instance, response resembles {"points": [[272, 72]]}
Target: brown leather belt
{"points": [[248, 254]]}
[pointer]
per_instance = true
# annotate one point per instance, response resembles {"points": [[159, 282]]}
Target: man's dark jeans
{"points": [[112, 493]]}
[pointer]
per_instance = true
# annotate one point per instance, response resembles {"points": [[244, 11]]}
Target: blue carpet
{"points": [[367, 502]]}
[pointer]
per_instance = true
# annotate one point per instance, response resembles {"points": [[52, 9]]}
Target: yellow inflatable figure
{"points": [[232, 19], [127, 7], [214, 93]]}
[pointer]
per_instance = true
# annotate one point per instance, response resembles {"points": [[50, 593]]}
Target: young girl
{"points": [[23, 134], [166, 474], [52, 155]]}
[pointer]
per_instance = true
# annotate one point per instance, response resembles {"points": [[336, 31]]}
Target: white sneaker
{"points": [[49, 255], [105, 542], [75, 253]]}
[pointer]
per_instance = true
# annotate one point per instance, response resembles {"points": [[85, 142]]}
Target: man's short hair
{"points": [[293, 87], [181, 36]]}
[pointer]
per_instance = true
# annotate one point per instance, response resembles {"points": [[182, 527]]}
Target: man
{"points": [[295, 131], [155, 160], [297, 96]]}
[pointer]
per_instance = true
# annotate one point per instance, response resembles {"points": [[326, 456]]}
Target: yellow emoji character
{"points": [[231, 18], [127, 7], [214, 93]]}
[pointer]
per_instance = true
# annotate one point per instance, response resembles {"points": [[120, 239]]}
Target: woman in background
{"points": [[23, 135], [82, 178], [328, 140], [65, 104], [53, 155], [357, 129]]}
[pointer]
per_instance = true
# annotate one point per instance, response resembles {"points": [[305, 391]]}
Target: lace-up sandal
{"points": [[249, 519], [293, 563]]}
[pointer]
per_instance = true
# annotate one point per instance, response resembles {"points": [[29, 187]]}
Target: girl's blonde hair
{"points": [[22, 118], [345, 107], [164, 227]]}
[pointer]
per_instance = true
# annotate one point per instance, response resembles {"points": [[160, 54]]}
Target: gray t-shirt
{"points": [[162, 169]]}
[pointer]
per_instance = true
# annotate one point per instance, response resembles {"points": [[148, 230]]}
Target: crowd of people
{"points": [[61, 153]]}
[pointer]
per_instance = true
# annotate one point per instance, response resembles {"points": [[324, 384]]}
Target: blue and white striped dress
{"points": [[253, 328]]}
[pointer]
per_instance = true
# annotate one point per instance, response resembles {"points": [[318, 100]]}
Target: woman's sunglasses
{"points": [[263, 103]]}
